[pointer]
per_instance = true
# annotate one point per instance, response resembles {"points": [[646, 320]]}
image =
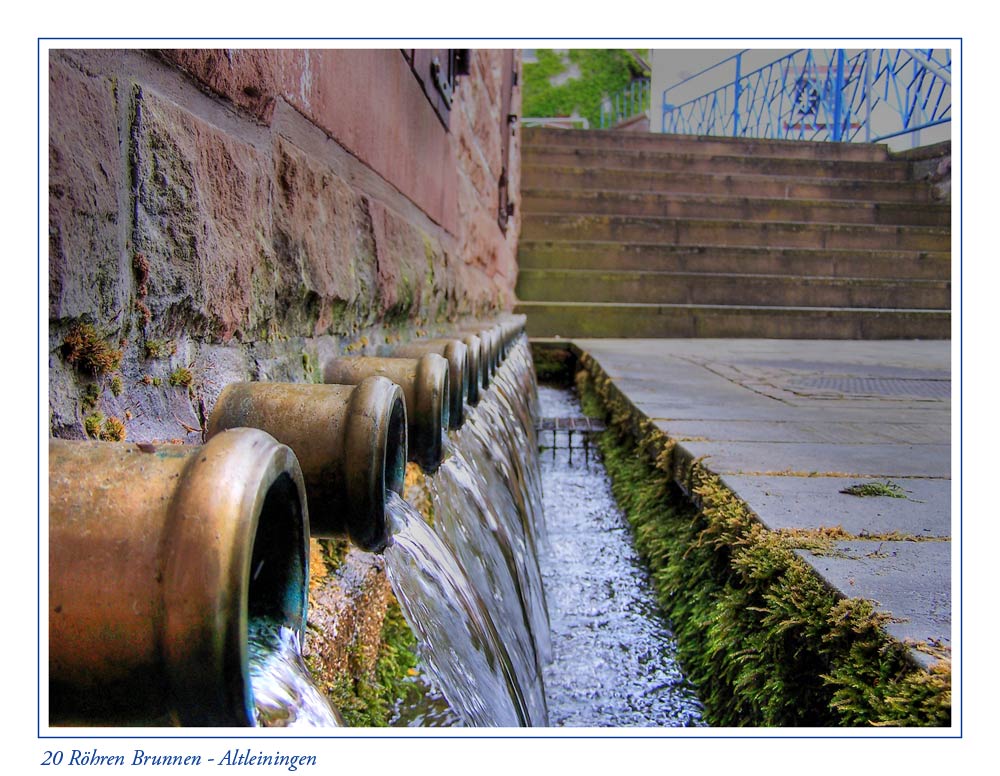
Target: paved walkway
{"points": [[789, 424]]}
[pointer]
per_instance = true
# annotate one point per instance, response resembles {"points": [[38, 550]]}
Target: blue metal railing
{"points": [[629, 102], [815, 94]]}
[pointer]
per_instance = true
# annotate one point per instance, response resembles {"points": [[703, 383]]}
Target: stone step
{"points": [[718, 165], [688, 205], [709, 232], [644, 287], [568, 319], [542, 176], [922, 265], [702, 144]]}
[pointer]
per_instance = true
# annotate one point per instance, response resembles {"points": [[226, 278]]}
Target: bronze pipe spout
{"points": [[494, 345], [512, 326], [425, 387], [478, 355], [159, 557], [456, 354], [350, 442], [487, 352]]}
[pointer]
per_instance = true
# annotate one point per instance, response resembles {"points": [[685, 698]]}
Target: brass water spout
{"points": [[487, 351], [512, 326], [350, 442], [456, 353], [425, 387], [491, 334], [478, 353], [158, 558]]}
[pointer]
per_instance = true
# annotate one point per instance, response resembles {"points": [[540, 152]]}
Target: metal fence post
{"points": [[838, 106], [869, 84], [736, 98]]}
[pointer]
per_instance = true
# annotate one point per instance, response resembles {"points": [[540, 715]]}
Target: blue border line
{"points": [[707, 737], [961, 406], [38, 381], [509, 37]]}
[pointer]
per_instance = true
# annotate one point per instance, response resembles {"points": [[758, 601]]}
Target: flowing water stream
{"points": [[479, 586], [614, 661], [606, 658], [284, 692]]}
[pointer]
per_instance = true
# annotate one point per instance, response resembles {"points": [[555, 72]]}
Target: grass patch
{"points": [[159, 348], [759, 634], [181, 377]]}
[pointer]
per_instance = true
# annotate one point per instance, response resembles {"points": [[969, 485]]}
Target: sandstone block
{"points": [[324, 246], [203, 226], [86, 180]]}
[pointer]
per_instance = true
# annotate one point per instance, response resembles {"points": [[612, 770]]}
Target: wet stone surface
{"points": [[614, 658]]}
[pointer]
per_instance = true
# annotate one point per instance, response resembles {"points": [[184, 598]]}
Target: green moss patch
{"points": [[366, 700], [764, 640], [868, 489], [86, 350], [553, 365]]}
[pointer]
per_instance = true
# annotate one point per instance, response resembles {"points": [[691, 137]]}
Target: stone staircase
{"points": [[643, 235]]}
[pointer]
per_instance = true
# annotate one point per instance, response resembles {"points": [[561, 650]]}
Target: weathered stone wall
{"points": [[242, 214], [931, 163], [222, 216]]}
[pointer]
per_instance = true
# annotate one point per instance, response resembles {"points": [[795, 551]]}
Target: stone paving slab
{"points": [[798, 503], [818, 430], [909, 580], [788, 424], [804, 458]]}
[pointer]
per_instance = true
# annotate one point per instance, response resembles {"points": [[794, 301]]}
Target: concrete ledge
{"points": [[740, 409]]}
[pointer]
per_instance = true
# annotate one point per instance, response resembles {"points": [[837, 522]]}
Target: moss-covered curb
{"points": [[764, 640]]}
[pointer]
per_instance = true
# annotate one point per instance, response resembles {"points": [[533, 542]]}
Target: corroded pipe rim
{"points": [[350, 441], [208, 566], [425, 384], [478, 374], [151, 552], [432, 407], [456, 353], [489, 350], [376, 438]]}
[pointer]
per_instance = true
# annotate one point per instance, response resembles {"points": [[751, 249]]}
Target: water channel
{"points": [[614, 658], [550, 569], [529, 603]]}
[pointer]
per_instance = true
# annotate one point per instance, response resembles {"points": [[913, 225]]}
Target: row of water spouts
{"points": [[171, 565]]}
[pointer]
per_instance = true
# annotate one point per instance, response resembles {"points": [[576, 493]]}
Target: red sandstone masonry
{"points": [[398, 133], [204, 226], [86, 175]]}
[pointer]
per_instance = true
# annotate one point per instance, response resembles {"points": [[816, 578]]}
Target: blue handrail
{"points": [[630, 101], [818, 94]]}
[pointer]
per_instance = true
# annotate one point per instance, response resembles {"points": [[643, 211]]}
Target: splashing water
{"points": [[487, 507], [495, 555], [459, 642], [284, 692]]}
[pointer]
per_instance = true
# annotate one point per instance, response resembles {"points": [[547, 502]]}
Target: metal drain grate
{"points": [[561, 432], [585, 425], [878, 386]]}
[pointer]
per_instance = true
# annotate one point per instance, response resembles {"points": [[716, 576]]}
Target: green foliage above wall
{"points": [[602, 73]]}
